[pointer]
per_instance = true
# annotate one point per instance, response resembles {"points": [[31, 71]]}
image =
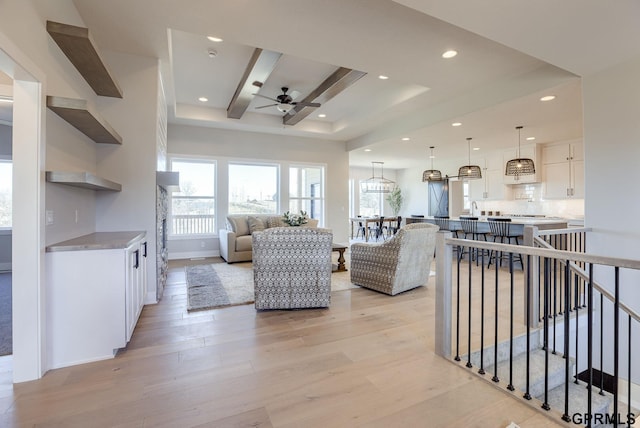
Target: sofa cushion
{"points": [[243, 243], [256, 223], [238, 224]]}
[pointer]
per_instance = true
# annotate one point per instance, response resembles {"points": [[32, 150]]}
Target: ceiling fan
{"points": [[284, 102]]}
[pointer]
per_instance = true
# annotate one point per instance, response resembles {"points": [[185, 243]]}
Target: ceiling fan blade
{"points": [[269, 98], [269, 105], [303, 104]]}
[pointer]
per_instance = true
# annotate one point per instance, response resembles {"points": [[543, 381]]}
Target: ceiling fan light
{"points": [[284, 108]]}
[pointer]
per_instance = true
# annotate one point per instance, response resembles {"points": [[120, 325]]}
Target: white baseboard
{"points": [[193, 254], [5, 267]]}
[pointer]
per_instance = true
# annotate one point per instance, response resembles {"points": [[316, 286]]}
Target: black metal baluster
{"points": [[567, 279], [547, 275], [601, 343], [527, 395], [577, 303], [457, 357], [469, 365], [510, 387], [616, 341], [555, 307], [481, 371], [590, 342], [495, 377], [629, 376]]}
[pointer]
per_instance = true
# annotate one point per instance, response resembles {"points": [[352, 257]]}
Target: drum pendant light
{"points": [[469, 172], [431, 174], [520, 166]]}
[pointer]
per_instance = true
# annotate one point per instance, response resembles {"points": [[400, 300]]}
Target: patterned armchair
{"points": [[398, 264], [292, 267]]}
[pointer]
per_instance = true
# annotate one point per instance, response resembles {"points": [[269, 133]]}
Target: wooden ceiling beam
{"points": [[260, 67], [339, 80]]}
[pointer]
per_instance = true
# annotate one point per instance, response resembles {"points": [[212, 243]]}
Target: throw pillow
{"points": [[255, 224], [276, 221]]}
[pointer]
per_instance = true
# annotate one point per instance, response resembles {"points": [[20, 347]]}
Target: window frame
{"points": [[323, 188], [171, 235]]}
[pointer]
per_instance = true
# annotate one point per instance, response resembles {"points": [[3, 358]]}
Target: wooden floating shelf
{"points": [[82, 179], [78, 46], [78, 114]]}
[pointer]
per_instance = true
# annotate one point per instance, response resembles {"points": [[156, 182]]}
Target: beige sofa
{"points": [[235, 240]]}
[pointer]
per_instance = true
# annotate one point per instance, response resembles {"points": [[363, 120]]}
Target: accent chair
{"points": [[398, 264], [292, 267]]}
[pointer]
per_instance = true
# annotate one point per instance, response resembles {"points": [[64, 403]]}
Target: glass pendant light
{"points": [[520, 166], [469, 172], [431, 174], [377, 184]]}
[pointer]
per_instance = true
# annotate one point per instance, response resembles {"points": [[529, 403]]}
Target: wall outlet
{"points": [[49, 217]]}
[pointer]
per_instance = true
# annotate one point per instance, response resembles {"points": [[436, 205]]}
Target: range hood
{"points": [[170, 180]]}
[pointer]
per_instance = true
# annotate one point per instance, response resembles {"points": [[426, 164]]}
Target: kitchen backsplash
{"points": [[528, 200]]}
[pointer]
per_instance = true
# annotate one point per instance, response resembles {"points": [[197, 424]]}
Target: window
{"points": [[371, 204], [5, 193], [193, 208], [306, 190], [253, 188]]}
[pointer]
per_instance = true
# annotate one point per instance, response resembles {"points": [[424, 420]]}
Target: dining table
{"points": [[367, 220]]}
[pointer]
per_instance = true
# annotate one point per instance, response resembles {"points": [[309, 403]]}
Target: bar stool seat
{"points": [[470, 231], [501, 232]]}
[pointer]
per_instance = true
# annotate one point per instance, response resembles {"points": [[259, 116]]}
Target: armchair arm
{"points": [[227, 243]]}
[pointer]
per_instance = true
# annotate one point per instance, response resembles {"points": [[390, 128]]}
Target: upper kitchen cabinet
{"points": [[491, 187], [563, 170], [532, 151], [78, 46]]}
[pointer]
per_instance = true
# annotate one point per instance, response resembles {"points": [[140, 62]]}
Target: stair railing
{"points": [[578, 302]]}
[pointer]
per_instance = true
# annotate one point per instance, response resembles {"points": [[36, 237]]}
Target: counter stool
{"points": [[470, 231], [501, 232]]}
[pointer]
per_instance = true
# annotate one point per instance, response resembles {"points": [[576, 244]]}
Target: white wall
{"points": [[236, 145], [133, 164], [612, 153]]}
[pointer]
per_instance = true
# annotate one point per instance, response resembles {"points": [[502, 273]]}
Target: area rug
{"points": [[220, 284]]}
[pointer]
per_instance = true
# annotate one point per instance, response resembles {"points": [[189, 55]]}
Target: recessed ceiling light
{"points": [[405, 138], [214, 39], [548, 98], [203, 99], [476, 148], [449, 54], [383, 77], [531, 138], [322, 115], [367, 150], [456, 124]]}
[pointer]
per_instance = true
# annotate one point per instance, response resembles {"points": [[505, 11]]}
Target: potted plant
{"points": [[395, 200]]}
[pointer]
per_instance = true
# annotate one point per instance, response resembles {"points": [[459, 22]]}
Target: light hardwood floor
{"points": [[366, 361]]}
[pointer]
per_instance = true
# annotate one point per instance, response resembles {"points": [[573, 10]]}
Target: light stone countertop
{"points": [[98, 241]]}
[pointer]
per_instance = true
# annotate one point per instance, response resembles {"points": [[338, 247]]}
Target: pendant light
{"points": [[520, 166], [431, 174], [469, 172], [377, 184]]}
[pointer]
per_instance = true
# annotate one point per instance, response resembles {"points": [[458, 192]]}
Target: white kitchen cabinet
{"points": [[563, 170], [491, 187], [95, 294], [531, 151]]}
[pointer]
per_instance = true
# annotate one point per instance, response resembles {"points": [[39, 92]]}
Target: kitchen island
{"points": [[517, 223]]}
